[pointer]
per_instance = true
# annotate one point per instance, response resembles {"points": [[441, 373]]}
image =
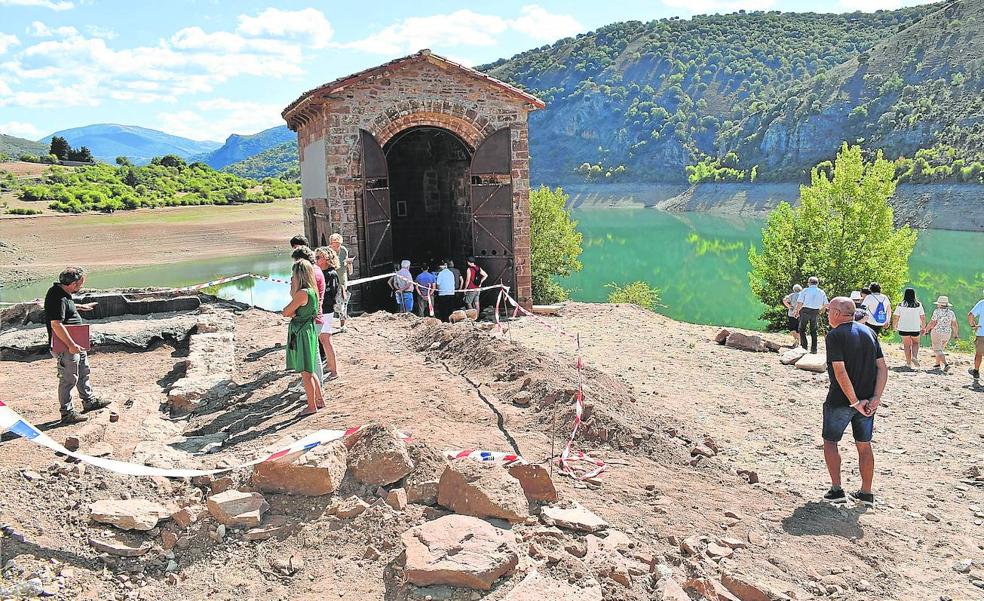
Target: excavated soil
{"points": [[655, 390]]}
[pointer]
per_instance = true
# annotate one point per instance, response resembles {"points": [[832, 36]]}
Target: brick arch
{"points": [[469, 131]]}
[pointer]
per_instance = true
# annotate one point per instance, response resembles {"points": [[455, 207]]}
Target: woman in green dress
{"points": [[302, 333]]}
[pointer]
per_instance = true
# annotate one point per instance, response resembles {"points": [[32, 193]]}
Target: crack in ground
{"points": [[501, 421]]}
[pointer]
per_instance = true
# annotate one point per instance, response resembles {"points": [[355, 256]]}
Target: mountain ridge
{"points": [[238, 147], [107, 141]]}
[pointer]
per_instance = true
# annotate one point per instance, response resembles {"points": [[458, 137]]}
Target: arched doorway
{"points": [[429, 199]]}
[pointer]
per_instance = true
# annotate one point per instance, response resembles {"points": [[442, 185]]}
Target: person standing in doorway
{"points": [[426, 285], [810, 303], [403, 287], [910, 322], [60, 310], [975, 318], [344, 270], [475, 278], [941, 328], [789, 301], [327, 262], [459, 283], [445, 291], [857, 372], [878, 306]]}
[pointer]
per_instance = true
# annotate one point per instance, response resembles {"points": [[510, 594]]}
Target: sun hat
{"points": [[855, 295], [943, 301]]}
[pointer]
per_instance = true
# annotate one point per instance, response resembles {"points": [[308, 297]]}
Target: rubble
{"points": [[422, 483], [574, 517], [537, 586], [458, 550], [745, 342], [235, 508], [397, 499], [814, 362], [119, 548], [315, 473], [536, 482], [128, 514], [482, 490], [379, 456], [349, 508]]}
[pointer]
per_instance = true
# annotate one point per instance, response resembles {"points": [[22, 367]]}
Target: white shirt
{"points": [[445, 282], [870, 303], [812, 297], [909, 318]]}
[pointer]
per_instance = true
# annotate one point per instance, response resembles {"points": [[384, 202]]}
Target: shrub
{"points": [[22, 211], [637, 293], [555, 243]]}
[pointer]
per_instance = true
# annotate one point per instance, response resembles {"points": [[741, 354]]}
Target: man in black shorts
{"points": [[858, 373]]}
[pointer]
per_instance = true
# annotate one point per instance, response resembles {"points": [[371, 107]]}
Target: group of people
{"points": [[874, 309], [442, 286], [318, 290], [856, 367]]}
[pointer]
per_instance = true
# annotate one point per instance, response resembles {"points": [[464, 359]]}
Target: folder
{"points": [[79, 333]]}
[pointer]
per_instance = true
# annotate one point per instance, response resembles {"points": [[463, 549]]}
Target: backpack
{"points": [[879, 314]]}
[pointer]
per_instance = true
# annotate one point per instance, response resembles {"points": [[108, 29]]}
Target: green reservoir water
{"points": [[698, 261]]}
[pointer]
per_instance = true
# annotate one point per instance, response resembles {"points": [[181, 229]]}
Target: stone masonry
{"points": [[419, 90]]}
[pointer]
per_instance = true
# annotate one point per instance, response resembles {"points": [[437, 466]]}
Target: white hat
{"points": [[943, 301], [855, 295]]}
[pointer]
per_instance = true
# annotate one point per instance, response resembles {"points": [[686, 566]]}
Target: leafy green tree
{"points": [[842, 232], [635, 293], [555, 243], [60, 148], [123, 161]]}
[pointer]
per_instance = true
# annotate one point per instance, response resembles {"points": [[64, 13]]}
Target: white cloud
{"points": [[541, 25], [20, 129], [217, 118], [6, 41], [309, 24], [701, 7], [40, 30], [464, 28], [100, 32], [52, 4], [460, 28]]}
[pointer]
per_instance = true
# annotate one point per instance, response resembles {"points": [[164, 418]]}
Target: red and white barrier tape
{"points": [[506, 459]]}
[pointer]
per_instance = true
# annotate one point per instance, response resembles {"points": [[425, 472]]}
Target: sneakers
{"points": [[974, 373], [864, 498], [915, 362], [73, 417], [837, 497], [93, 404]]}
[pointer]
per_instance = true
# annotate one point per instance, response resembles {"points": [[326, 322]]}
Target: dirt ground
{"points": [[655, 388], [34, 247]]}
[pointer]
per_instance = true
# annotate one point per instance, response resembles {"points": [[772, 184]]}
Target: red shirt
{"points": [[472, 274]]}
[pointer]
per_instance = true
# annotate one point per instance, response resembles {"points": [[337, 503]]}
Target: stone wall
{"points": [[388, 102]]}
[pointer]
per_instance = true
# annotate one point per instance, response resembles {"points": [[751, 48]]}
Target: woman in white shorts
{"points": [[327, 262], [941, 328]]}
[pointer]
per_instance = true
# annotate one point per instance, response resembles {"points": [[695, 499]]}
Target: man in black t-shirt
{"points": [[858, 373], [60, 310]]}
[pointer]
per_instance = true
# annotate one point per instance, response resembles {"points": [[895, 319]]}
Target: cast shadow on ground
{"points": [[817, 518], [13, 548], [257, 355]]}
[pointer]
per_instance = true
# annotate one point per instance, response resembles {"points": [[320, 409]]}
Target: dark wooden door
{"points": [[376, 217], [492, 207]]}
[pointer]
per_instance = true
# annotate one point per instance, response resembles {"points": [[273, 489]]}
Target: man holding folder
{"points": [[69, 341]]}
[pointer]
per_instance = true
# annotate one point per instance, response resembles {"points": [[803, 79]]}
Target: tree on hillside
{"points": [[842, 232], [82, 155], [60, 148], [555, 243]]}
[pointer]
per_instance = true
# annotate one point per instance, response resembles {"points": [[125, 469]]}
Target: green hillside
{"points": [[655, 97], [238, 147], [279, 161], [13, 147], [918, 94], [166, 181]]}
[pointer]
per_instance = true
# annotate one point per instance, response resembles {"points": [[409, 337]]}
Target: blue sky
{"points": [[206, 69]]}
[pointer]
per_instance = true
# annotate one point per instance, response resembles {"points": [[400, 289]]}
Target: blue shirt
{"points": [[812, 297], [426, 279], [978, 312], [445, 282]]}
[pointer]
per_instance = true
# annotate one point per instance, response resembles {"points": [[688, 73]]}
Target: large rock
{"points": [[746, 342], [746, 591], [379, 456], [538, 586], [535, 481], [482, 490], [813, 362], [421, 484], [236, 508], [722, 336], [128, 514], [208, 368], [317, 472], [574, 517], [458, 550], [791, 356]]}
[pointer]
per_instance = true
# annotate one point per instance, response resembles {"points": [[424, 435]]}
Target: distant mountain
{"points": [[918, 93], [656, 97], [279, 161], [108, 141], [13, 146], [238, 147]]}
